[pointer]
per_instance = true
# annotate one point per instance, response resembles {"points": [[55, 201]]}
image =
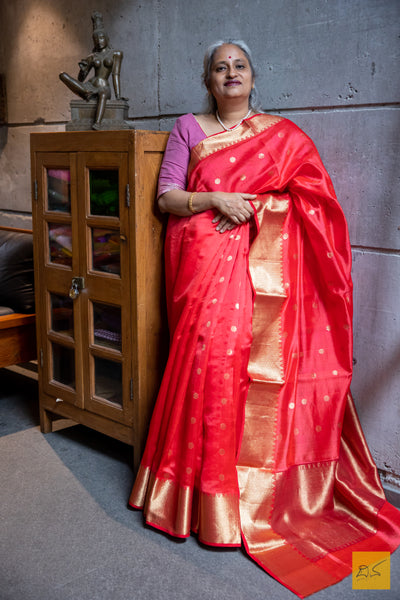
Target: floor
{"points": [[67, 533]]}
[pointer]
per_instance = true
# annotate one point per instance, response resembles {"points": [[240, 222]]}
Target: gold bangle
{"points": [[190, 202]]}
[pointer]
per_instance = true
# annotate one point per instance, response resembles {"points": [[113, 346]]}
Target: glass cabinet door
{"points": [[57, 204], [105, 263], [85, 284]]}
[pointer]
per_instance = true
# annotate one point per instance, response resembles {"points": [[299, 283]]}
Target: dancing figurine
{"points": [[105, 61]]}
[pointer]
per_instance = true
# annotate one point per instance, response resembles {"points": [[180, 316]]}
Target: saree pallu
{"points": [[254, 435]]}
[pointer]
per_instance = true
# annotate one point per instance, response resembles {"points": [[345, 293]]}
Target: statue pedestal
{"points": [[83, 115]]}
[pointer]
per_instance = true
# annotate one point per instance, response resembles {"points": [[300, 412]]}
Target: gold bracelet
{"points": [[190, 202]]}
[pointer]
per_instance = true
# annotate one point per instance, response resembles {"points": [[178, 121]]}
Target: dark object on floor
{"points": [[17, 305]]}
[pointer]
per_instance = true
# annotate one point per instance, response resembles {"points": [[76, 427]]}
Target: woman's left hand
{"points": [[224, 223]]}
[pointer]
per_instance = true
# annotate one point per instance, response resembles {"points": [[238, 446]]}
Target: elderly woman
{"points": [[254, 436]]}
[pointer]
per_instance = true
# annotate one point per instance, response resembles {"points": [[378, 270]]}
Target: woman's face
{"points": [[100, 40], [230, 75]]}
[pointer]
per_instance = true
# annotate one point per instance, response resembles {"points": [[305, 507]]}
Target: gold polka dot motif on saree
{"points": [[217, 181], [232, 159]]}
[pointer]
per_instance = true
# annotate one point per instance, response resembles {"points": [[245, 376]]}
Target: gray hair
{"points": [[208, 60]]}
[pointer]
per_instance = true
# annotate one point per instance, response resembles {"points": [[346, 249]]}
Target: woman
{"points": [[105, 61], [254, 436]]}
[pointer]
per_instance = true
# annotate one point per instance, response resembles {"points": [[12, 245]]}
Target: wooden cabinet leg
{"points": [[136, 458], [46, 422]]}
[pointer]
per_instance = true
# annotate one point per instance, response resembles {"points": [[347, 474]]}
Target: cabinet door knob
{"points": [[123, 237]]}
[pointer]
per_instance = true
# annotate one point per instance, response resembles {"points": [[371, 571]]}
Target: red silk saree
{"points": [[254, 437]]}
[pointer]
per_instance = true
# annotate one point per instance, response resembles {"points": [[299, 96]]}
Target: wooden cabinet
{"points": [[98, 244]]}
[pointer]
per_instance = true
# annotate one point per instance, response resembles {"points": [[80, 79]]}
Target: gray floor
{"points": [[66, 531]]}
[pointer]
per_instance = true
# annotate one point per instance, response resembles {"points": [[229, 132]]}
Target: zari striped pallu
{"points": [[254, 436]]}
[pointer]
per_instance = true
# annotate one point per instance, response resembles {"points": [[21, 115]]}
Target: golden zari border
{"points": [[265, 366], [177, 509], [265, 265], [255, 466], [248, 129]]}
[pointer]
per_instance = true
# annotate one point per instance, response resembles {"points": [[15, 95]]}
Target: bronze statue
{"points": [[105, 61]]}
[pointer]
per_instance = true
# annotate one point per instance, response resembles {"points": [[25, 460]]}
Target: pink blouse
{"points": [[186, 133]]}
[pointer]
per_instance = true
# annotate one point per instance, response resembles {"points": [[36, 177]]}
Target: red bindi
{"points": [[229, 56]]}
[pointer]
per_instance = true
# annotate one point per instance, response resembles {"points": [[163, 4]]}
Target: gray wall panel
{"points": [[15, 180], [361, 149], [376, 381], [308, 54]]}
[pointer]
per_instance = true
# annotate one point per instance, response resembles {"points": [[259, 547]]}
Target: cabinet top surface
{"points": [[117, 140]]}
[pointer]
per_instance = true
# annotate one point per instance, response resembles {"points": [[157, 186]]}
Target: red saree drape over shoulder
{"points": [[254, 436]]}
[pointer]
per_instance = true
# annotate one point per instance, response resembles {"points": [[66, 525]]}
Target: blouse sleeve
{"points": [[173, 172]]}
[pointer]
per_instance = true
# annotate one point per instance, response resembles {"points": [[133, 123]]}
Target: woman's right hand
{"points": [[235, 206]]}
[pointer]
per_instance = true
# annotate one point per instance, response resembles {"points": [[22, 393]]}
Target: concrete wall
{"points": [[329, 65]]}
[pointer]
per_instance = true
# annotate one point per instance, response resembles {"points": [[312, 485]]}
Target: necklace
{"points": [[237, 124]]}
